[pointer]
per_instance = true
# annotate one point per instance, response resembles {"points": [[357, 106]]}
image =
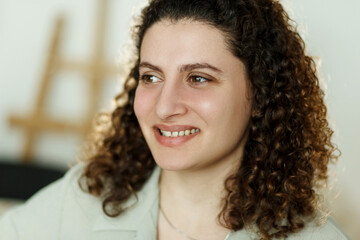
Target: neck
{"points": [[197, 192], [198, 195], [194, 187]]}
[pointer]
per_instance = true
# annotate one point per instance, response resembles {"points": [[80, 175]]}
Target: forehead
{"points": [[183, 39]]}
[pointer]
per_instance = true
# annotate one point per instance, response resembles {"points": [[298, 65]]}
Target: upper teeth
{"points": [[179, 133]]}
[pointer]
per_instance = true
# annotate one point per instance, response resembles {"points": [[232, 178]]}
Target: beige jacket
{"points": [[62, 211]]}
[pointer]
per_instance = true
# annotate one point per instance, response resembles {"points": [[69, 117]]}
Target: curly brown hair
{"points": [[288, 148]]}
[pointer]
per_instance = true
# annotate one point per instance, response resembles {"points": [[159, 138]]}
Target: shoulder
{"points": [[63, 211], [40, 216], [328, 230]]}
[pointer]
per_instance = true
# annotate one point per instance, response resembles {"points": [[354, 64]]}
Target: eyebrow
{"points": [[149, 65], [190, 67], [183, 68]]}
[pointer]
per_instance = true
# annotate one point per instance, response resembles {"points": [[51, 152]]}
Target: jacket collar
{"points": [[141, 215]]}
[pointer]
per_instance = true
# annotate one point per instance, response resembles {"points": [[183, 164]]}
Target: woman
{"points": [[223, 135]]}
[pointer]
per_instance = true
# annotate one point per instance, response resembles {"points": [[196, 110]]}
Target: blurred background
{"points": [[59, 65]]}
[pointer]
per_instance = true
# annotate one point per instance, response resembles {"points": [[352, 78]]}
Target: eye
{"points": [[149, 79], [198, 79]]}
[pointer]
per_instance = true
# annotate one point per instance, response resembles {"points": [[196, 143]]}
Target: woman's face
{"points": [[193, 101]]}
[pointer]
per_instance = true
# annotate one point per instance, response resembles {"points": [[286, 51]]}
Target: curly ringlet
{"points": [[289, 144]]}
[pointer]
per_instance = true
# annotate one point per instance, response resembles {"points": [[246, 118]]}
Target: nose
{"points": [[170, 102]]}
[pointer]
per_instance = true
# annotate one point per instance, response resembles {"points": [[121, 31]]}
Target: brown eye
{"points": [[198, 79], [149, 79]]}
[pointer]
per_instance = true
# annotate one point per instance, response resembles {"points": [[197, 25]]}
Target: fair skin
{"points": [[193, 105]]}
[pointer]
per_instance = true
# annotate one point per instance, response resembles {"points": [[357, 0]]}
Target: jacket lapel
{"points": [[141, 217]]}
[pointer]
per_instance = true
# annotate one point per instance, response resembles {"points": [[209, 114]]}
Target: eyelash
{"points": [[195, 79]]}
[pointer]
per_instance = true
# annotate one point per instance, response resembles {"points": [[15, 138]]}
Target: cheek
{"points": [[142, 103], [207, 104], [225, 109]]}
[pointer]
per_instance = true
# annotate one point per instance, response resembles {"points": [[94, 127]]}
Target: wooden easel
{"points": [[96, 69]]}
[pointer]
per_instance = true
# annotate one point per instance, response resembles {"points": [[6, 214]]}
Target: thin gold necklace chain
{"points": [[178, 230]]}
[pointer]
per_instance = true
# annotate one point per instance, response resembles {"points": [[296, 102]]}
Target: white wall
{"points": [[330, 29], [25, 32]]}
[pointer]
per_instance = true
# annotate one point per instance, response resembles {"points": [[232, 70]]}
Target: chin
{"points": [[173, 164]]}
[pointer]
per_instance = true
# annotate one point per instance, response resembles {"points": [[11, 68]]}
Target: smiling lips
{"points": [[179, 133], [172, 136]]}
